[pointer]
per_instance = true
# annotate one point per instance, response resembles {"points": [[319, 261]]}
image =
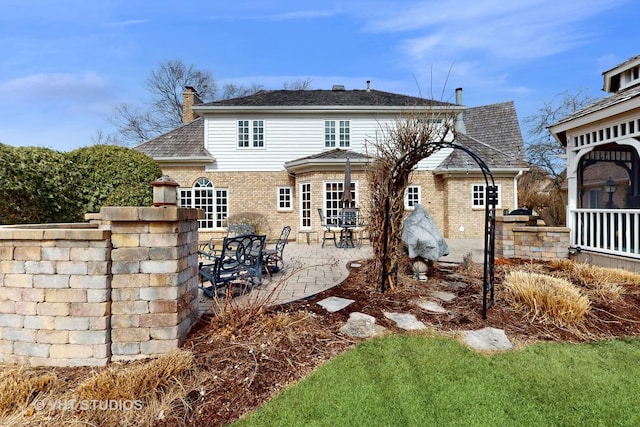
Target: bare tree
{"points": [[398, 150], [546, 156], [542, 149], [163, 111], [298, 84], [234, 91]]}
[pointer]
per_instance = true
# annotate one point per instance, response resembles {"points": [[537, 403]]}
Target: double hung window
{"points": [[337, 133], [250, 133]]}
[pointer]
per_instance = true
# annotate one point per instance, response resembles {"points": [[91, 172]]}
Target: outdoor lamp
{"points": [[610, 188]]}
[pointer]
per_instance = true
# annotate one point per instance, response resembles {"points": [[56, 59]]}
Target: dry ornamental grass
{"points": [[547, 298]]}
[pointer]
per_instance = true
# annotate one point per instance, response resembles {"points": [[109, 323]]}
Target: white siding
{"points": [[287, 138]]}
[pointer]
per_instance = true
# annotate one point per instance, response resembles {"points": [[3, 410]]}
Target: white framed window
{"points": [[478, 196], [250, 133], [412, 197], [337, 132], [305, 205], [213, 201], [333, 198], [284, 195]]}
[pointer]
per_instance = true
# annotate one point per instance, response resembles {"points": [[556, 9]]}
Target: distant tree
{"points": [[298, 84], [115, 176], [542, 149], [163, 111], [230, 90], [547, 157]]}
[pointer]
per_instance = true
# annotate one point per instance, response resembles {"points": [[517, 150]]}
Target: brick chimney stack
{"points": [[189, 99]]}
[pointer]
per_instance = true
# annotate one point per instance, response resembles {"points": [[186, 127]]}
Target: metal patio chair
{"points": [[239, 265], [272, 258], [328, 230]]}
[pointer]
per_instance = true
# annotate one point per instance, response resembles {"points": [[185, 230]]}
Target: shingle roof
{"points": [[336, 153], [270, 98], [492, 133], [616, 98], [187, 141]]}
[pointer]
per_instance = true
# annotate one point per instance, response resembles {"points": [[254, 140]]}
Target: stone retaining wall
{"points": [[121, 288], [519, 236]]}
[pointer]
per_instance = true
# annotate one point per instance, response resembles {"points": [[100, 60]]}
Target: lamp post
{"points": [[610, 188]]}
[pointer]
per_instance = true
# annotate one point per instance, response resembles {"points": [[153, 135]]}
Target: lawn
{"points": [[422, 381]]}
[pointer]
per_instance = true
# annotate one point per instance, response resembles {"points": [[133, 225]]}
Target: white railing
{"points": [[611, 231]]}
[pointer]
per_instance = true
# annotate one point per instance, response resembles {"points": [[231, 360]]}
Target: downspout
{"points": [[515, 189]]}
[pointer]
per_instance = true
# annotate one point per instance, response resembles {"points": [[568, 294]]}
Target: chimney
{"points": [[460, 127], [459, 96], [368, 85], [189, 99]]}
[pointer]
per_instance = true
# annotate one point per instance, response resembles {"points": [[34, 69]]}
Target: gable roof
{"points": [[184, 144], [334, 159], [493, 134], [324, 98]]}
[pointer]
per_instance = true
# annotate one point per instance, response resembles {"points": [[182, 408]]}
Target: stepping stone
{"points": [[333, 304], [361, 325], [405, 321], [487, 339], [455, 285], [431, 306], [444, 296]]}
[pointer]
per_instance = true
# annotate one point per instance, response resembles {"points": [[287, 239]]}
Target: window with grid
{"points": [[332, 196], [412, 197], [284, 198], [337, 131], [478, 196], [212, 201], [250, 133], [305, 205]]}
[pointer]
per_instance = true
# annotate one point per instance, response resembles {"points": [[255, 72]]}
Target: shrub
{"points": [[106, 169], [549, 299], [256, 220], [39, 185]]}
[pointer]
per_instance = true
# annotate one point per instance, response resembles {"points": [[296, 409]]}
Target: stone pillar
{"points": [[505, 238], [154, 278]]}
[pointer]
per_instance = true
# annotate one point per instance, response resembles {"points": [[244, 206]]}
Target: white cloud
{"points": [[45, 87], [526, 29]]}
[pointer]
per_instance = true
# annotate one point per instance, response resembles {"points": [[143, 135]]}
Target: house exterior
{"points": [[603, 169], [282, 154]]}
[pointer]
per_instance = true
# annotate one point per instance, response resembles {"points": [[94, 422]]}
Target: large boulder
{"points": [[422, 237]]}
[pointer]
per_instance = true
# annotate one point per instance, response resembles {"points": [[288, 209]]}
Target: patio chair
{"points": [[208, 250], [272, 258], [239, 264], [328, 232], [239, 230]]}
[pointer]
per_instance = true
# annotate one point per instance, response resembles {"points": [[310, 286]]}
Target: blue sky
{"points": [[66, 64]]}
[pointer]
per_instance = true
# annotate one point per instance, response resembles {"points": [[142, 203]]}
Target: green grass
{"points": [[416, 381]]}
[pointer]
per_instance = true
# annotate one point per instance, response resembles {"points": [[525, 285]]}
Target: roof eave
{"points": [[303, 165], [463, 171], [185, 160], [286, 109]]}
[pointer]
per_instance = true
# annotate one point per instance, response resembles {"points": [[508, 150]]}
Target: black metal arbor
{"points": [[491, 199]]}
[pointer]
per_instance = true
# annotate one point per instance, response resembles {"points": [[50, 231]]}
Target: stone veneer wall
{"points": [[121, 288], [519, 236]]}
